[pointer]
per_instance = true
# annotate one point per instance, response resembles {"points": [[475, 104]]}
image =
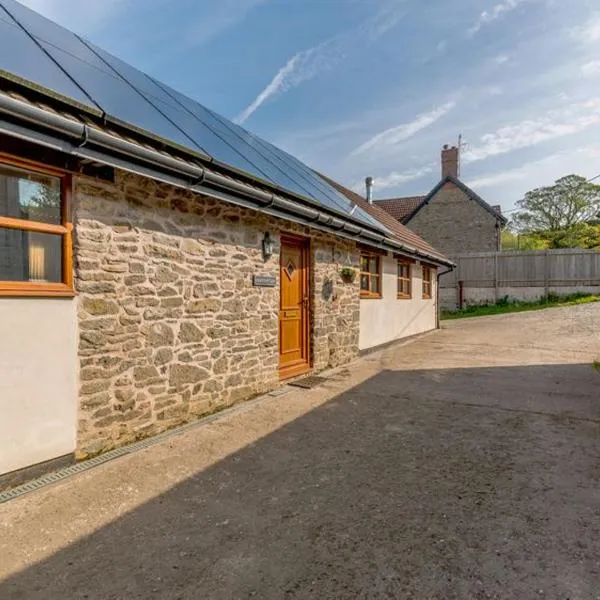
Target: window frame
{"points": [[64, 289], [401, 295], [427, 281], [367, 294]]}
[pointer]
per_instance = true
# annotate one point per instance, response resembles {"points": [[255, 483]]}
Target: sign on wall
{"points": [[264, 281]]}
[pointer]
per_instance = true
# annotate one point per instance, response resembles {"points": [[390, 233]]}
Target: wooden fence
{"points": [[521, 275]]}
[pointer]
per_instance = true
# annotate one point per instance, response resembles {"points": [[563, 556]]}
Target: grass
{"points": [[510, 306], [596, 365]]}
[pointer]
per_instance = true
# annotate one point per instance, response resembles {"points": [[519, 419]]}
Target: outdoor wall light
{"points": [[267, 246]]}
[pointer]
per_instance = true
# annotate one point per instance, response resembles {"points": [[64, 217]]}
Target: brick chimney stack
{"points": [[450, 161]]}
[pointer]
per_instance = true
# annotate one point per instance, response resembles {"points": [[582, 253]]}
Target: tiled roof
{"points": [[401, 232], [404, 209], [400, 208]]}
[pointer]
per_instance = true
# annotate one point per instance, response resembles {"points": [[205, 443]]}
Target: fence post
{"points": [[496, 277], [546, 274], [461, 294]]}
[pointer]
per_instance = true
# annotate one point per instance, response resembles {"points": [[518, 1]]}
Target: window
{"points": [[370, 276], [427, 281], [404, 281], [35, 231]]}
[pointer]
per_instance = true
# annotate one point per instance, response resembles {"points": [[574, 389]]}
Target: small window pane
{"points": [[30, 196], [373, 266], [374, 284], [364, 263], [404, 287], [364, 282], [30, 256]]}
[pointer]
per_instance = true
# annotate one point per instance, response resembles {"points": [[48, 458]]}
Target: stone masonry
{"points": [[171, 327], [455, 224]]}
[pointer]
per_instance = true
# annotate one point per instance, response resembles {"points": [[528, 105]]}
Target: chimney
{"points": [[450, 161], [369, 186], [497, 209]]}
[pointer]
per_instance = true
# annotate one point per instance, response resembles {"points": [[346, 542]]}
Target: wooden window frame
{"points": [[367, 294], [427, 274], [401, 294], [64, 289]]}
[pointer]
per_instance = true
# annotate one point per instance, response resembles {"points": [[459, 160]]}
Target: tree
{"points": [[525, 241], [580, 235], [559, 207]]}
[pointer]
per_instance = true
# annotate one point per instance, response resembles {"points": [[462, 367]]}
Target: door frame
{"points": [[303, 243]]}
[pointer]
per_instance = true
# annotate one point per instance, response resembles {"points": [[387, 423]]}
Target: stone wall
{"points": [[170, 326], [454, 224]]}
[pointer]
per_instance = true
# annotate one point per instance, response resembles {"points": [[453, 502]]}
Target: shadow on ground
{"points": [[437, 484]]}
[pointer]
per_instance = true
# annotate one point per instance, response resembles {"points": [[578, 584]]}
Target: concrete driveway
{"points": [[463, 465]]}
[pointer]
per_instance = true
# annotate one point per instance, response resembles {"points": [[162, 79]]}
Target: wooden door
{"points": [[294, 308]]}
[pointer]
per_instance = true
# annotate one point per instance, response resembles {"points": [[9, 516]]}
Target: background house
{"points": [[452, 217]]}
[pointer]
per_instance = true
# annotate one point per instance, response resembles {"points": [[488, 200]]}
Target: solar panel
{"points": [[126, 95], [267, 166], [337, 199], [22, 57]]}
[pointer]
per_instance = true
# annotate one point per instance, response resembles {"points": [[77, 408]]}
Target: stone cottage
{"points": [[158, 262], [452, 217]]}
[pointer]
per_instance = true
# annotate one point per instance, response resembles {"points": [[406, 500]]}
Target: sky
{"points": [[359, 88]]}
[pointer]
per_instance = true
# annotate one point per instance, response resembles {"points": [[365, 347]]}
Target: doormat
{"points": [[308, 382]]}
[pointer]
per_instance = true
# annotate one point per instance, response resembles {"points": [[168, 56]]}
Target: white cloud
{"points": [[494, 13], [589, 32], [287, 77], [509, 185], [518, 174], [396, 178], [557, 123], [391, 137], [501, 59], [307, 64], [591, 68]]}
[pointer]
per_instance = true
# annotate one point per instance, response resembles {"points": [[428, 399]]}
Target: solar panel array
{"points": [[48, 56]]}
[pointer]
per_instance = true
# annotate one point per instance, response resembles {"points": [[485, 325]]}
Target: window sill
{"points": [[35, 290], [370, 296], [426, 297], [404, 297]]}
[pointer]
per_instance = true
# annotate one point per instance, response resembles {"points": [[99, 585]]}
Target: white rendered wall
{"points": [[389, 318], [38, 380]]}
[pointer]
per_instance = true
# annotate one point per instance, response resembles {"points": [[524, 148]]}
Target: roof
{"points": [[400, 231], [49, 60], [400, 208], [404, 209]]}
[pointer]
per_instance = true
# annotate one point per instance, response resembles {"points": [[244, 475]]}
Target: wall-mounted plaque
{"points": [[264, 281]]}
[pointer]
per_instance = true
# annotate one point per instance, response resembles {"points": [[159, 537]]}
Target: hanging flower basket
{"points": [[348, 274]]}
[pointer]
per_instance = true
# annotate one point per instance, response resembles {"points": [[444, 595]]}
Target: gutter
{"points": [[93, 144]]}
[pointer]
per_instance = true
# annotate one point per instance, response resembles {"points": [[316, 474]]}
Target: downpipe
{"points": [[437, 295]]}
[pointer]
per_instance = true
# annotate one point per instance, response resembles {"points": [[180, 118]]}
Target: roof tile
{"points": [[400, 208]]}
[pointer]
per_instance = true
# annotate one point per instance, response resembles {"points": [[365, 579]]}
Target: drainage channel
{"points": [[86, 465]]}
